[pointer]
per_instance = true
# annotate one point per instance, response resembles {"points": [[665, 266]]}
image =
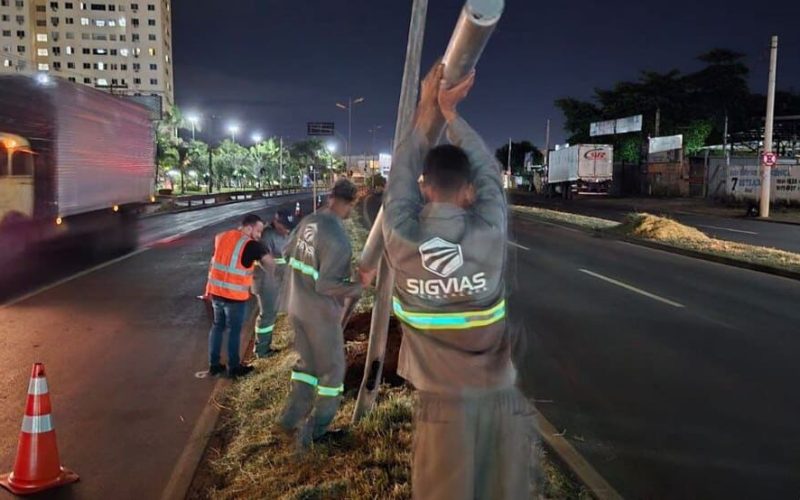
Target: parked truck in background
{"points": [[580, 168], [76, 166]]}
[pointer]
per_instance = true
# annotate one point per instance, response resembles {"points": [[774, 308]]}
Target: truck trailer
{"points": [[76, 165], [580, 168]]}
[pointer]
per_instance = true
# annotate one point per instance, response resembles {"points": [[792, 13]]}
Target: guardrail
{"points": [[188, 201]]}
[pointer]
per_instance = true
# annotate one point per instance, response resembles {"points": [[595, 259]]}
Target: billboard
{"points": [[666, 143], [607, 127], [320, 128], [629, 124], [385, 164], [744, 182]]}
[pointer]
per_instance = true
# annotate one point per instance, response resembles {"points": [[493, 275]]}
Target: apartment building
{"points": [[122, 46]]}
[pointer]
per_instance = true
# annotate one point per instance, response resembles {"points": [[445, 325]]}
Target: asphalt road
{"points": [[742, 230], [675, 377], [121, 346]]}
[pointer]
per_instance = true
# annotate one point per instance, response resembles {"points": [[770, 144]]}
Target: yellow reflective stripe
{"points": [[305, 378], [280, 260], [266, 329], [330, 392], [303, 268], [450, 321]]}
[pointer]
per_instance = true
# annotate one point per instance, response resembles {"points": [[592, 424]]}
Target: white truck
{"points": [[76, 166], [580, 168]]}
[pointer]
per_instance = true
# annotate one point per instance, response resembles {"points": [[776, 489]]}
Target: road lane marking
{"points": [[632, 288], [726, 229], [534, 220], [189, 228], [518, 246]]}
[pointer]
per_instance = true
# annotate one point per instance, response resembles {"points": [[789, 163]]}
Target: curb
{"points": [[185, 469], [574, 461], [784, 273], [212, 205]]}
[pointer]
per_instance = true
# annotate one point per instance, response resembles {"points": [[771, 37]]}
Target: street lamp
{"points": [[257, 138], [194, 120], [349, 108], [233, 129]]}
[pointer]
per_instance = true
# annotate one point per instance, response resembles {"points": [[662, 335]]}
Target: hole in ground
{"points": [[356, 338]]}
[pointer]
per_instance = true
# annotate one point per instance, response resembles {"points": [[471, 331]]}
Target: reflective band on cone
{"points": [[37, 466]]}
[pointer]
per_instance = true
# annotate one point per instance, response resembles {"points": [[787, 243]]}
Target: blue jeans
{"points": [[227, 316]]}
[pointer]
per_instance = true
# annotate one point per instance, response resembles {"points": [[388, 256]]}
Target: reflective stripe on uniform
{"points": [[224, 269], [305, 378], [303, 268], [330, 392], [266, 329], [37, 386], [37, 425], [450, 321], [280, 260], [229, 286]]}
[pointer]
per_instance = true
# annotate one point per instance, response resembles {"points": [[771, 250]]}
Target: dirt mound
{"points": [[356, 337], [644, 225]]}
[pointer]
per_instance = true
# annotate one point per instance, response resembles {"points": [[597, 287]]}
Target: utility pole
{"points": [[508, 173], [280, 164], [210, 170], [547, 142], [766, 173], [725, 142], [658, 122]]}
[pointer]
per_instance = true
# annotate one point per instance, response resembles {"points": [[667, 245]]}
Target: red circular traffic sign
{"points": [[769, 159]]}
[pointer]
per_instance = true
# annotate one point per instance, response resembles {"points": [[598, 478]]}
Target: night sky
{"points": [[272, 65]]}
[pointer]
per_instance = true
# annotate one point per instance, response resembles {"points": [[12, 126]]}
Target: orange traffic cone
{"points": [[37, 466]]}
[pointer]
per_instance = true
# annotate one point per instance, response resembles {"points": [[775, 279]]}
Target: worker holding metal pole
{"points": [[445, 239]]}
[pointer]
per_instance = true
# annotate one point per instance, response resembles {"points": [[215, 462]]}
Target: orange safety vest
{"points": [[227, 277]]}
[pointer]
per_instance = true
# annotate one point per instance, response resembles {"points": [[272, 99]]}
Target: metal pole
{"points": [[725, 142], [280, 164], [210, 170], [470, 36], [314, 188], [349, 124], [509, 162], [547, 143], [379, 326], [765, 170]]}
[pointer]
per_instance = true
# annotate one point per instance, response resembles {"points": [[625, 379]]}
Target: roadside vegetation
{"points": [[648, 227], [247, 458]]}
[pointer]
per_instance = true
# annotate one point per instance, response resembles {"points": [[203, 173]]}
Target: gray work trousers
{"points": [[473, 447], [267, 290], [317, 376]]}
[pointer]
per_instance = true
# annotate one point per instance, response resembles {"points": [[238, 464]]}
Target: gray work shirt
{"points": [[449, 262], [319, 269]]}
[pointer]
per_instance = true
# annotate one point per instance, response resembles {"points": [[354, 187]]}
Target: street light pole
{"points": [[766, 173], [350, 103]]}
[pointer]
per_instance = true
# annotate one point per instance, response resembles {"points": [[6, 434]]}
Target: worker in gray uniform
{"points": [[267, 282], [445, 237], [318, 282]]}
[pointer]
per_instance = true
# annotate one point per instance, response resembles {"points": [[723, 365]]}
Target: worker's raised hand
{"points": [[450, 97], [428, 109]]}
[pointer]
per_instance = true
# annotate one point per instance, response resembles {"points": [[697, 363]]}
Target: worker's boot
{"points": [[263, 345]]}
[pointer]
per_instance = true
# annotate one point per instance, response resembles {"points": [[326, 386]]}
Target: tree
{"points": [[266, 158], [518, 152], [233, 164]]}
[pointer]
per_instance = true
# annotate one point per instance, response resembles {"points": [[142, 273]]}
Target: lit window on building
{"points": [[151, 51], [100, 22], [7, 63], [102, 82], [123, 52], [44, 67], [41, 52], [122, 22], [41, 37], [84, 21]]}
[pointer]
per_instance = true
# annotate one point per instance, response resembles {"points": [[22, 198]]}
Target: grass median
{"points": [[247, 458], [666, 231]]}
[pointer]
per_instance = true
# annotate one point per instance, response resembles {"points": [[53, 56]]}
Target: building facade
{"points": [[122, 46]]}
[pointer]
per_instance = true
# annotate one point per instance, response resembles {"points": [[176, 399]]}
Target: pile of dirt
{"points": [[356, 337], [653, 227]]}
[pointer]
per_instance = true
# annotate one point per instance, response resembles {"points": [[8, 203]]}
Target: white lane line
{"points": [[726, 229], [532, 220], [518, 246], [632, 288], [73, 277], [189, 228]]}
